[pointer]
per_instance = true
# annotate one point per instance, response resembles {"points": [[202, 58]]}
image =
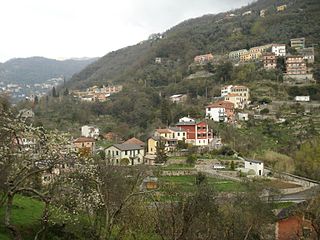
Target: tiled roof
{"points": [[126, 147], [165, 130], [134, 141], [224, 104]]}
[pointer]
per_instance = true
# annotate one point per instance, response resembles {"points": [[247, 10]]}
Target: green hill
{"points": [[211, 33]]}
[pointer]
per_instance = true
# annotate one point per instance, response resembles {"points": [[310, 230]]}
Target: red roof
{"points": [[223, 104], [134, 141]]}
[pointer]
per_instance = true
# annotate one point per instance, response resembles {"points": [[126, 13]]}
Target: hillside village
{"points": [[173, 143]]}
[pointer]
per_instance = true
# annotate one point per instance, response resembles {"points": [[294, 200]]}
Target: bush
{"points": [[264, 111], [226, 151], [191, 159]]}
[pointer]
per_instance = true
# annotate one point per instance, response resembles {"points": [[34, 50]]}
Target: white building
{"points": [[254, 165], [247, 13], [130, 154], [243, 116], [178, 98], [279, 50], [90, 132], [302, 98], [186, 120]]}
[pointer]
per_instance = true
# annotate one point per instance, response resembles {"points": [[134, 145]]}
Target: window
{"points": [[117, 153], [178, 134], [138, 151], [126, 152]]}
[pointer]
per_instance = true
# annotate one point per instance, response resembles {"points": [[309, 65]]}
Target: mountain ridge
{"points": [[215, 33], [38, 69]]}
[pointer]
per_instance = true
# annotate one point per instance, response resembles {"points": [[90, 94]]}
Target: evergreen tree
{"points": [[66, 92], [54, 92], [161, 155]]}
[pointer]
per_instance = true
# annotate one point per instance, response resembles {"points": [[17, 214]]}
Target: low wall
{"points": [[179, 172]]}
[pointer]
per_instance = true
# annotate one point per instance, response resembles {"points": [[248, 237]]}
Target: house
{"points": [[307, 53], [296, 65], [169, 136], [85, 144], [238, 95], [198, 132], [302, 98], [294, 224], [298, 43], [110, 136], [247, 13], [96, 93], [269, 61], [243, 117], [178, 98], [243, 91], [90, 132], [239, 101], [254, 166], [279, 50], [221, 111], [158, 60], [281, 8], [263, 12], [170, 144], [125, 154], [203, 58], [26, 113]]}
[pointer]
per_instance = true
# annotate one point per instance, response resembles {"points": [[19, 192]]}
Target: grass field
{"points": [[26, 214], [187, 183]]}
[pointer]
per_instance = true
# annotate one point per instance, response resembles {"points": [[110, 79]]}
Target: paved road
{"points": [[300, 196], [294, 197]]}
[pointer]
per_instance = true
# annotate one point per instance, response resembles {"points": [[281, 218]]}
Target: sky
{"points": [[62, 29]]}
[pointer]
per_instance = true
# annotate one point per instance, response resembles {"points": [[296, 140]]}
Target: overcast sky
{"points": [[76, 28]]}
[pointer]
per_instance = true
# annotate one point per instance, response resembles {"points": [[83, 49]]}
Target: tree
{"points": [[54, 92], [105, 194], [161, 155], [23, 162]]}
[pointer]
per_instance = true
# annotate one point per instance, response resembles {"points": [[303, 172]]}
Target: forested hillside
{"points": [[39, 69], [218, 34]]}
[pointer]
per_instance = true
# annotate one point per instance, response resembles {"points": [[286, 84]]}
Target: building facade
{"points": [[125, 154], [296, 65], [90, 132], [203, 58], [269, 61], [221, 111], [279, 50], [197, 132], [298, 43]]}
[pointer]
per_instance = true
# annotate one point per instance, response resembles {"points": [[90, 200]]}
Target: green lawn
{"points": [[26, 214], [187, 183]]}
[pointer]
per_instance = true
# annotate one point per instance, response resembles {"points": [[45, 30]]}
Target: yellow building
{"points": [[152, 144], [246, 57]]}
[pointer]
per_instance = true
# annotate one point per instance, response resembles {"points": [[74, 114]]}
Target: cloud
{"points": [[76, 28]]}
